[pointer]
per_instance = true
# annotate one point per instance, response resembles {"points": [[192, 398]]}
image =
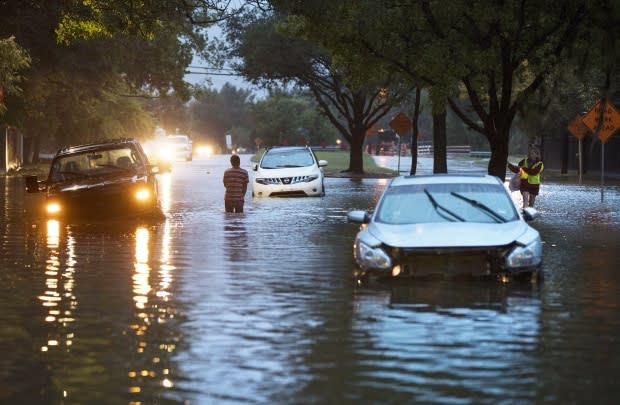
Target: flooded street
{"points": [[261, 307]]}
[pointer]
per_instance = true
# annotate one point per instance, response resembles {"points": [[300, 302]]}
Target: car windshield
{"points": [[178, 139], [91, 163], [427, 203], [280, 158]]}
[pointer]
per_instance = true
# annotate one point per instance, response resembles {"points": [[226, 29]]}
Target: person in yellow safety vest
{"points": [[529, 170]]}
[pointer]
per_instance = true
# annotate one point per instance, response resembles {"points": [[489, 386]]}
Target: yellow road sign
{"points": [[611, 120], [401, 124]]}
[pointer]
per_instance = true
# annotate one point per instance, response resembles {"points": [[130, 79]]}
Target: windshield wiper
{"points": [[481, 207], [439, 207]]}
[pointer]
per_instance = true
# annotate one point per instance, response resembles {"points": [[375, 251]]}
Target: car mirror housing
{"points": [[32, 184], [530, 213], [358, 216], [322, 163]]}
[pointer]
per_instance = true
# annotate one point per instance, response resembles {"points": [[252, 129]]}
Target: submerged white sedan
{"points": [[447, 226]]}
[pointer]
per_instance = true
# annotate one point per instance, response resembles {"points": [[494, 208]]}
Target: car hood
{"points": [[452, 234], [96, 182], [287, 172]]}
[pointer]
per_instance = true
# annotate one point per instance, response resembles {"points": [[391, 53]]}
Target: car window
{"points": [[178, 139], [410, 204], [275, 159], [95, 163]]}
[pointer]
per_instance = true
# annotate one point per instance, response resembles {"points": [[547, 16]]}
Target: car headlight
{"points": [[525, 256], [143, 195], [266, 181], [308, 179], [369, 257], [53, 208]]}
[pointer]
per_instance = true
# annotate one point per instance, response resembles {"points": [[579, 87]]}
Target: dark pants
{"points": [[529, 193], [233, 205]]}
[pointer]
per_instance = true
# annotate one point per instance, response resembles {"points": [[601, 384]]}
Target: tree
{"points": [[80, 89], [271, 57], [214, 114], [500, 53], [13, 60], [290, 118]]}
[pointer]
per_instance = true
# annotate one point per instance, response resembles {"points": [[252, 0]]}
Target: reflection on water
{"points": [[434, 336], [58, 298], [206, 307]]}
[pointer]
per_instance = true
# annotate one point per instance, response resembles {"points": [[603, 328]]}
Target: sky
{"points": [[200, 72]]}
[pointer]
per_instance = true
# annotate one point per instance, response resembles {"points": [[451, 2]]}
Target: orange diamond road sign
{"points": [[611, 120], [401, 124], [577, 127]]}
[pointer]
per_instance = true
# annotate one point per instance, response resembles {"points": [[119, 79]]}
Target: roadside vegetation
{"points": [[494, 76]]}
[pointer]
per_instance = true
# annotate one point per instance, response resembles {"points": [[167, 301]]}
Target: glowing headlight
{"points": [[52, 208], [143, 195], [205, 150], [165, 153], [525, 256], [371, 258]]}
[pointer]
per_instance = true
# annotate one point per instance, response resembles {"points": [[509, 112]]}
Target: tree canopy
{"points": [[270, 56], [494, 55]]}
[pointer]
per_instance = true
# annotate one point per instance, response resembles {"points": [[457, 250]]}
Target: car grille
{"points": [[287, 180], [296, 193], [451, 262]]}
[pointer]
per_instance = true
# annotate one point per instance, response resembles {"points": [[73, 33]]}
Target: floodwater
{"points": [[261, 307]]}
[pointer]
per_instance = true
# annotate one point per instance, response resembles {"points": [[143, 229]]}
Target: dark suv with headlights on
{"points": [[111, 178]]}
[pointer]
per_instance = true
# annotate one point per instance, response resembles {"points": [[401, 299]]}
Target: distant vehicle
{"points": [[111, 178], [447, 226], [159, 153], [180, 147], [289, 171]]}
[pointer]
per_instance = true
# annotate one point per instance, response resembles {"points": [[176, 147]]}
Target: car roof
{"points": [[285, 148], [444, 179], [104, 144]]}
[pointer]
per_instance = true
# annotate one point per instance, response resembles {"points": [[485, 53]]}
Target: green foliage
{"points": [[94, 77], [213, 114], [500, 53], [287, 119], [13, 60]]}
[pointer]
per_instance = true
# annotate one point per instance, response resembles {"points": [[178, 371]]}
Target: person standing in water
{"points": [[236, 182], [529, 170]]}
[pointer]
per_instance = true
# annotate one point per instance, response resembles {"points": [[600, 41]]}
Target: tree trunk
{"points": [[414, 153], [440, 164], [356, 161], [415, 132], [499, 154], [564, 169]]}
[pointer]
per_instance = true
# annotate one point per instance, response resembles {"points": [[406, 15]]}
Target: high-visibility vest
{"points": [[531, 178]]}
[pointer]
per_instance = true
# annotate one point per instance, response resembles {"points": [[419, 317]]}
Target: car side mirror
{"points": [[255, 167], [359, 216], [322, 163], [530, 213], [154, 169], [32, 184]]}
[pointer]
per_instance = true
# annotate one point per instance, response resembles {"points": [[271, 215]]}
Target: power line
{"points": [[188, 72]]}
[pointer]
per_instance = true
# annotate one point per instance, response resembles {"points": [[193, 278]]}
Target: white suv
{"points": [[181, 147], [289, 171]]}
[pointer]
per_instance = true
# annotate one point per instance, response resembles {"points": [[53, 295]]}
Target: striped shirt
{"points": [[236, 180]]}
